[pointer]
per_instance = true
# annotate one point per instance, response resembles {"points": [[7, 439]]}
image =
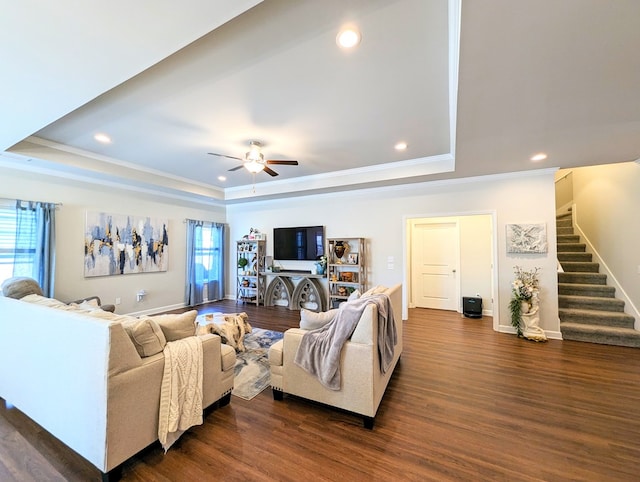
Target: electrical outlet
{"points": [[118, 301]]}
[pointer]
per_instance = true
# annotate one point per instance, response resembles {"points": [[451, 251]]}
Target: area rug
{"points": [[252, 373]]}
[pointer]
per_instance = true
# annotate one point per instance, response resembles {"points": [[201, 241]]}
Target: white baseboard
{"points": [[551, 335]]}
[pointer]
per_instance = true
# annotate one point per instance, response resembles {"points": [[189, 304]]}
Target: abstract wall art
{"points": [[119, 244], [526, 238]]}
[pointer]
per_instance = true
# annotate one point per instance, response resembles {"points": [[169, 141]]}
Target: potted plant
{"points": [[242, 262]]}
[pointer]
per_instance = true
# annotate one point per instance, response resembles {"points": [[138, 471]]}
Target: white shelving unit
{"points": [[346, 273], [251, 282]]}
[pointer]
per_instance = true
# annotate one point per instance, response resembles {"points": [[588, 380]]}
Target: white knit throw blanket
{"points": [[181, 393]]}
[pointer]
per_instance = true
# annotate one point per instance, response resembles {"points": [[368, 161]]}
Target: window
{"points": [[15, 260], [27, 242], [205, 262]]}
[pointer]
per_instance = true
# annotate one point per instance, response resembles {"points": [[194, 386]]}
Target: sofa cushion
{"points": [[19, 287], [275, 353], [146, 335], [176, 327], [44, 301], [228, 357], [310, 320]]}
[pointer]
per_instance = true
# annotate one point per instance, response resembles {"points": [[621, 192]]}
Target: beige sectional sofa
{"points": [[92, 378], [362, 382]]}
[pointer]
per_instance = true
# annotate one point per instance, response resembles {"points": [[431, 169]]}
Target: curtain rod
{"points": [[29, 200]]}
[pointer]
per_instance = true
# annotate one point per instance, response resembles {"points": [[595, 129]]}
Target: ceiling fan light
{"points": [[255, 153], [254, 166]]}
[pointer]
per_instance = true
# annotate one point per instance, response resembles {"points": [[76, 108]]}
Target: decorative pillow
{"points": [[19, 287], [375, 290], [355, 294], [176, 327], [310, 320], [146, 335], [87, 305]]}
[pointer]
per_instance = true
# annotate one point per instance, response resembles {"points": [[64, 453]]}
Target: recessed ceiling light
{"points": [[103, 138], [541, 156], [400, 146], [222, 178], [348, 37]]}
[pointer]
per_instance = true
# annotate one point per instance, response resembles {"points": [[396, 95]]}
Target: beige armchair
{"points": [[362, 382]]}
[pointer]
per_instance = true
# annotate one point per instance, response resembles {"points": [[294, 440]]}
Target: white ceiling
{"points": [[170, 83]]}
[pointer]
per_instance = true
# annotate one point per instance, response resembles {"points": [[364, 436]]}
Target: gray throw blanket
{"points": [[319, 350]]}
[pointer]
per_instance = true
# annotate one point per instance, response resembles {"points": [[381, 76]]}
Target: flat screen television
{"points": [[303, 243]]}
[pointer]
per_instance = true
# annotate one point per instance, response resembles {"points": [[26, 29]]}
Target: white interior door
{"points": [[435, 259]]}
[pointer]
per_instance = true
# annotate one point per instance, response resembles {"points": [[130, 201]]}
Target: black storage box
{"points": [[472, 306]]}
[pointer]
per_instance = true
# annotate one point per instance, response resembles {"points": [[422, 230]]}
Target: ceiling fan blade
{"points": [[223, 155], [237, 167], [284, 163], [271, 172]]}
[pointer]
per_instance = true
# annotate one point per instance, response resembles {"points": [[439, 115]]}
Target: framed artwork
{"points": [[527, 238], [352, 258], [119, 244]]}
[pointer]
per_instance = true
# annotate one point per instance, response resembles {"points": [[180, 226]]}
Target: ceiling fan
{"points": [[255, 162]]}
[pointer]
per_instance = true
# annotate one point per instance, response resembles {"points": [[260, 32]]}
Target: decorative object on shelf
{"points": [[352, 258], [347, 276], [525, 304], [342, 291], [526, 238], [339, 249], [242, 262]]}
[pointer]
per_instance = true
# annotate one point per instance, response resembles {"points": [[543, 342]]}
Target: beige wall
{"points": [[607, 200], [165, 289], [380, 215]]}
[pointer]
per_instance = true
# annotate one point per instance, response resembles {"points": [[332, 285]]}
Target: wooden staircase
{"points": [[588, 308]]}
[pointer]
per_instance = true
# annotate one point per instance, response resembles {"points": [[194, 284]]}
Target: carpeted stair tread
{"points": [[564, 230], [583, 278], [580, 267], [563, 223], [601, 334], [567, 238], [572, 247], [591, 303], [573, 256], [585, 289], [595, 317]]}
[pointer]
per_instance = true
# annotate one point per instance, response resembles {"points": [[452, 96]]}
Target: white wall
{"points": [[380, 215], [607, 200], [165, 289]]}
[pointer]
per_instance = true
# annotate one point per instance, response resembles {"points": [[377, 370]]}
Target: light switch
{"points": [[390, 259], [389, 265]]}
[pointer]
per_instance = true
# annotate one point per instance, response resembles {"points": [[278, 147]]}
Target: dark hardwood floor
{"points": [[465, 403]]}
